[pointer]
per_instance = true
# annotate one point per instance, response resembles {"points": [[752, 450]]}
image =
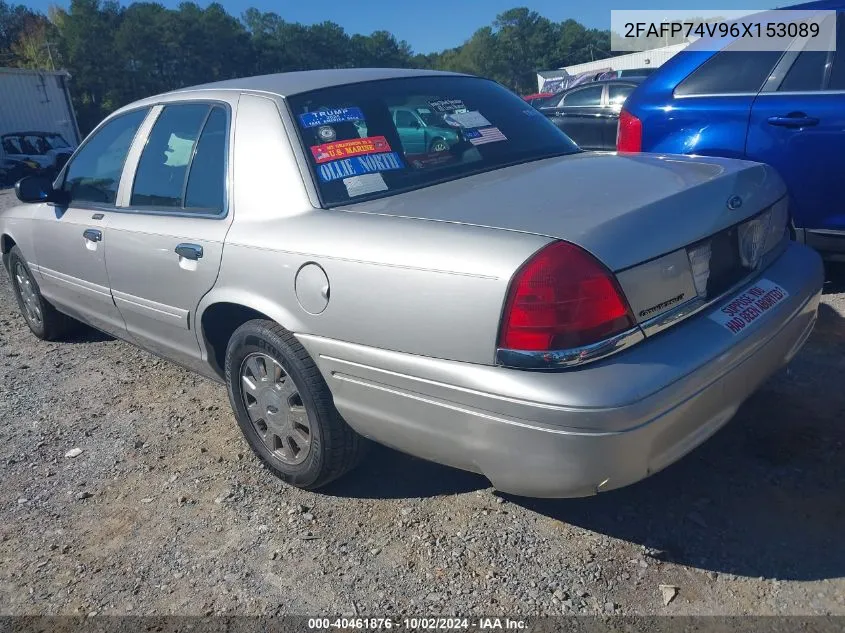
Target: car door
{"points": [[166, 241], [579, 114], [411, 132], [70, 240], [798, 127]]}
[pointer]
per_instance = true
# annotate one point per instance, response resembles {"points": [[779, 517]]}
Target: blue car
{"points": [[786, 109]]}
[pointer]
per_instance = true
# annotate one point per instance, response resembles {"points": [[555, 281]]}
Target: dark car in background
{"points": [[786, 109], [589, 113], [31, 152]]}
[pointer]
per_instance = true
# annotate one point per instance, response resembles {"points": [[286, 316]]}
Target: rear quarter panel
{"points": [[427, 288], [709, 125]]}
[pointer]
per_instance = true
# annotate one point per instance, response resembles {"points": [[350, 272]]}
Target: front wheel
{"points": [[285, 409], [439, 145], [43, 319]]}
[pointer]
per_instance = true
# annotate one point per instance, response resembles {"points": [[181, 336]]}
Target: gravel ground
{"points": [[165, 511]]}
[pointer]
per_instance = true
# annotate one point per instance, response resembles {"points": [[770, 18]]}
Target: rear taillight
{"points": [[629, 133], [562, 298]]}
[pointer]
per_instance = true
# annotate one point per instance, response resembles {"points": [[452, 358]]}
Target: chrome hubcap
{"points": [[26, 287], [275, 408]]}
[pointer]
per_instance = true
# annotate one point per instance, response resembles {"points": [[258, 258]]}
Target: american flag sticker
{"points": [[484, 135]]}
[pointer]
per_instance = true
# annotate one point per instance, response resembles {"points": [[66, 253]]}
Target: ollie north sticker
{"points": [[354, 147], [746, 308], [359, 165], [329, 117]]}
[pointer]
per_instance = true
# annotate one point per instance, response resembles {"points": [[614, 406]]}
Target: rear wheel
{"points": [[285, 409], [43, 319]]}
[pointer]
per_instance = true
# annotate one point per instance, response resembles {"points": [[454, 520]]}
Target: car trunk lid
{"points": [[624, 209]]}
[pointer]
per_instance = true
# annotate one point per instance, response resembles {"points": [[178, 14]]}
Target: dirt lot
{"points": [[166, 511]]}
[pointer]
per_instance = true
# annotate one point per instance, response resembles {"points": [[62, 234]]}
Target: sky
{"points": [[432, 25]]}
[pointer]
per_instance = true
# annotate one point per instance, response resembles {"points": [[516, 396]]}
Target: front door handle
{"points": [[189, 251], [793, 119], [93, 235]]}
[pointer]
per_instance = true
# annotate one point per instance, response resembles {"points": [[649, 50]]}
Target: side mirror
{"points": [[37, 189]]}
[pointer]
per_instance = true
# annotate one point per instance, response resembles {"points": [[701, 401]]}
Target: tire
{"points": [[269, 371], [43, 319], [439, 145]]}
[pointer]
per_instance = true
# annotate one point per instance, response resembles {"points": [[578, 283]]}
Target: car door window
{"points": [[206, 188], [616, 93], [406, 119], [162, 172], [11, 145], [584, 97], [730, 71], [94, 173]]}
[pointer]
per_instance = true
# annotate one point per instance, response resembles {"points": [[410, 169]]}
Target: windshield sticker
{"points": [[345, 149], [485, 135], [423, 110], [431, 159], [362, 185], [448, 105], [359, 165], [466, 119], [329, 117], [326, 133]]}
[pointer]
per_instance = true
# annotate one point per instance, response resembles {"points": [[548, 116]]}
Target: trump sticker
{"points": [[353, 147], [330, 117]]}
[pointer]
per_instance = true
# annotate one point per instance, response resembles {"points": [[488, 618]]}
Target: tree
{"points": [[117, 55], [19, 26]]}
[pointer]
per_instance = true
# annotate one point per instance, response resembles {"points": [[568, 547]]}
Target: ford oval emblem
{"points": [[734, 203]]}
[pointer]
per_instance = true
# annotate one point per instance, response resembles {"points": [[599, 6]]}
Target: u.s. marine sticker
{"points": [[353, 147]]}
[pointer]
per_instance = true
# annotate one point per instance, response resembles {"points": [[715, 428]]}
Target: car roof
{"points": [[600, 82], [287, 84]]}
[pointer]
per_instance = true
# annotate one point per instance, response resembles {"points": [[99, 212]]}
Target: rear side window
{"points": [[616, 94], [806, 73], [207, 179], [163, 169], [358, 148], [730, 72], [94, 173], [585, 97], [837, 73]]}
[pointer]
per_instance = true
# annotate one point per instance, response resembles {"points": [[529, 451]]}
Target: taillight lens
{"points": [[563, 298], [629, 133]]}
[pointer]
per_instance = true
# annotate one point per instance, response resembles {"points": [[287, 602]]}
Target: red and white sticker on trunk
{"points": [[743, 310]]}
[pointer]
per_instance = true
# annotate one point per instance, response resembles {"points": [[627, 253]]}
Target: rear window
{"points": [[730, 72], [375, 139]]}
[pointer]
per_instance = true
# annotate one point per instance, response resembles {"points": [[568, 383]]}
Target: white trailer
{"points": [[37, 100], [653, 58]]}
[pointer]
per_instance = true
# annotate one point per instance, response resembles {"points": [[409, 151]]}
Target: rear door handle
{"points": [[189, 251], [93, 235], [799, 119]]}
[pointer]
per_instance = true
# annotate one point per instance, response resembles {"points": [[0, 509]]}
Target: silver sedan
{"points": [[493, 298]]}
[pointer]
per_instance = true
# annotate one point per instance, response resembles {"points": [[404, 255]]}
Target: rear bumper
{"points": [[574, 433]]}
